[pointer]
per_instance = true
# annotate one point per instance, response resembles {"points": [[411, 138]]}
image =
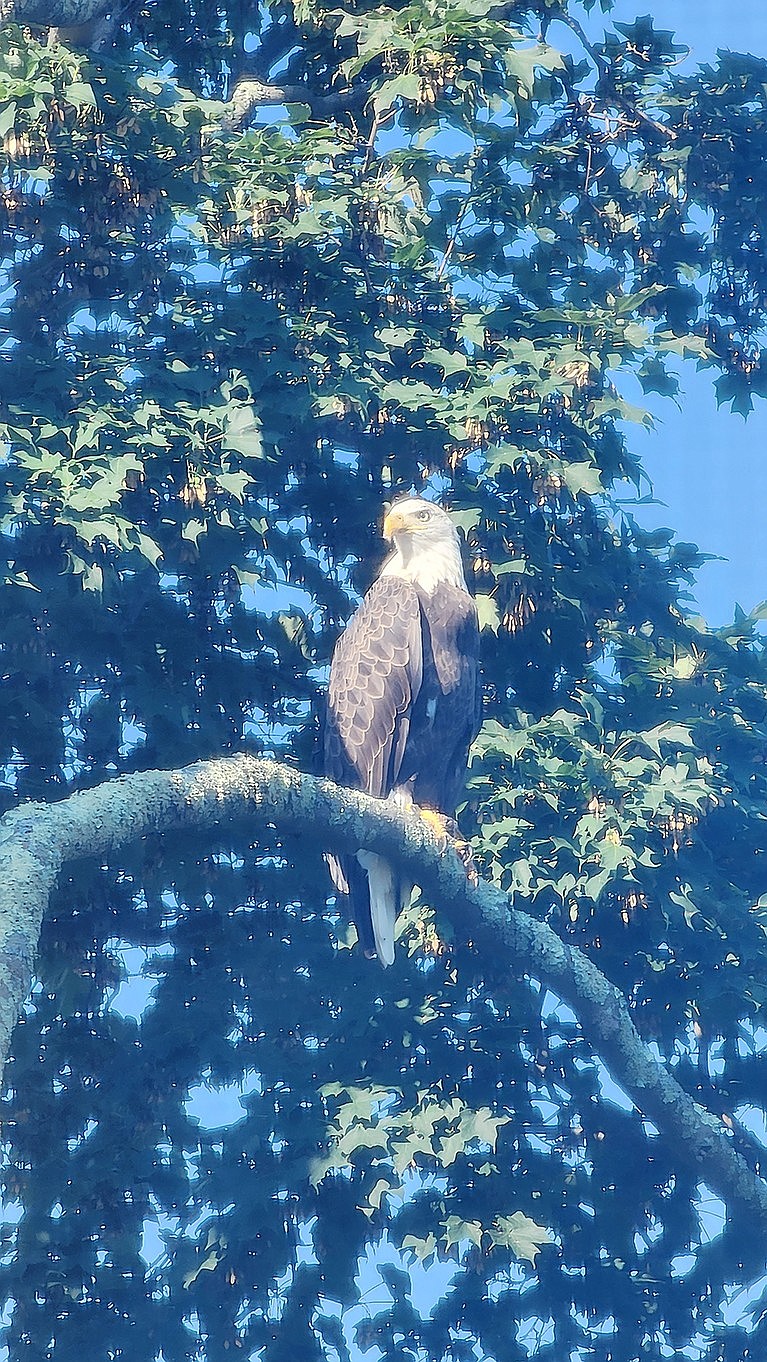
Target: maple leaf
{"points": [[521, 1234]]}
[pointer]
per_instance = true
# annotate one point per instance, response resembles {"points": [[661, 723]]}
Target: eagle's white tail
{"points": [[385, 898]]}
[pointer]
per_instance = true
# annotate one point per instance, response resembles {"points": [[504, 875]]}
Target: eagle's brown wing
{"points": [[375, 678]]}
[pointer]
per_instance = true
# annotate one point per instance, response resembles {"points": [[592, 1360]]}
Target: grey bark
{"points": [[250, 93], [89, 24], [36, 840], [53, 13]]}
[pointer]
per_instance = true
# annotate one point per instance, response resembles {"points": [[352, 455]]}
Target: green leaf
{"points": [[81, 95], [520, 1234], [423, 1249], [457, 1231], [7, 118], [399, 87], [466, 520], [487, 612], [193, 529], [582, 478]]}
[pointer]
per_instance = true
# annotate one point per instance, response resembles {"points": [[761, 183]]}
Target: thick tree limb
{"points": [[53, 13], [36, 840], [91, 24], [250, 93]]}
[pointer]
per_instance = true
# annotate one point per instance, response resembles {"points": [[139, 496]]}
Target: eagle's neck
{"points": [[427, 565]]}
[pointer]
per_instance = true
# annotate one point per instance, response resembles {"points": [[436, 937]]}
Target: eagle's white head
{"points": [[426, 546]]}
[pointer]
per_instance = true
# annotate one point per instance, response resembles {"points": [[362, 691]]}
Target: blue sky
{"points": [[709, 467], [704, 25], [709, 473]]}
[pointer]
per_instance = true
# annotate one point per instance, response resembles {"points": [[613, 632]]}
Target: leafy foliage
{"points": [[221, 352]]}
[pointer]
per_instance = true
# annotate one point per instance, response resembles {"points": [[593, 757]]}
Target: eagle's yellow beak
{"points": [[394, 522]]}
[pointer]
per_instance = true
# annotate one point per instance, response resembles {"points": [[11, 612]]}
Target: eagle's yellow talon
{"points": [[466, 856], [447, 830], [438, 823]]}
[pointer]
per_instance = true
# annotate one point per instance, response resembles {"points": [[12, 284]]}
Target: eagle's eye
{"points": [[424, 515]]}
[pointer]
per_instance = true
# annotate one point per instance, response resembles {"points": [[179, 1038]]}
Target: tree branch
{"points": [[37, 839], [606, 86], [250, 93], [53, 13], [92, 24]]}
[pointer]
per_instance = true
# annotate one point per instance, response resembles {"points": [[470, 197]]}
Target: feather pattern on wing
{"points": [[375, 677]]}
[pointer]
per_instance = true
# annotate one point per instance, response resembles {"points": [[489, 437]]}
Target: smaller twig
{"points": [[588, 169], [370, 147], [576, 27], [450, 247], [641, 119], [460, 219]]}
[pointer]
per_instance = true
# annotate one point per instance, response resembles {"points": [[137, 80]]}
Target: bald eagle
{"points": [[403, 703]]}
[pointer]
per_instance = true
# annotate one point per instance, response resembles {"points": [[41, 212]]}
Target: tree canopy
{"points": [[264, 268]]}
